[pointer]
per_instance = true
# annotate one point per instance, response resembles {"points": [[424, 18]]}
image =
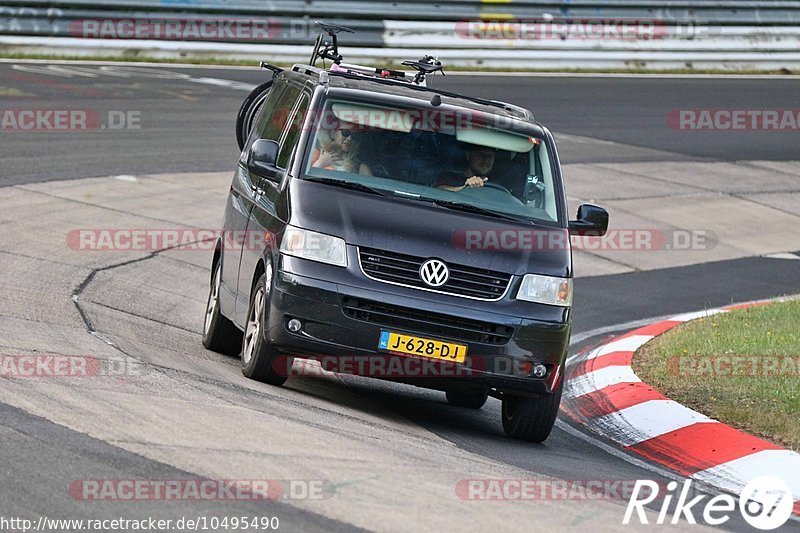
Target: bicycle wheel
{"points": [[249, 110]]}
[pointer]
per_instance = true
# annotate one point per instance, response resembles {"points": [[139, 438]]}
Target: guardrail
{"points": [[723, 12], [516, 34]]}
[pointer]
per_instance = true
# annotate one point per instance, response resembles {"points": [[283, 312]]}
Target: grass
{"points": [[695, 364], [135, 57]]}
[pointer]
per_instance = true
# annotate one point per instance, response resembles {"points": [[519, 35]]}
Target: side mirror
{"points": [[262, 157], [592, 221]]}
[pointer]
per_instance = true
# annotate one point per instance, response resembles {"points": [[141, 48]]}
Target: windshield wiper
{"points": [[353, 185], [470, 208]]}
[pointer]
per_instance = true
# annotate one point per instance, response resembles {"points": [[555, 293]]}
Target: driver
{"points": [[480, 161]]}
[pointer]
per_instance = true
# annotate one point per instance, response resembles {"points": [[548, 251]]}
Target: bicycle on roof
{"points": [[326, 48]]}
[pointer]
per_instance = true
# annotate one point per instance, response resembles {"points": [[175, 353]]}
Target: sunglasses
{"points": [[349, 133]]}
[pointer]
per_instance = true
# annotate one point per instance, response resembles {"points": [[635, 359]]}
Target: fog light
{"points": [[295, 325], [539, 370]]}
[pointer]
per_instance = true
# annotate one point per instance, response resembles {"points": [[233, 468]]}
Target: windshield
{"points": [[452, 159]]}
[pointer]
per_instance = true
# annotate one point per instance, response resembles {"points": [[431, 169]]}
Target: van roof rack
{"points": [[326, 47], [314, 72]]}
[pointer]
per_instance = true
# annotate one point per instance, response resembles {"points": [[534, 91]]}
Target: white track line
{"points": [[627, 344], [599, 379], [644, 421], [734, 475]]}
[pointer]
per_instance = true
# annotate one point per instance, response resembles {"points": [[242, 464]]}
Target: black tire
{"points": [[258, 355], [249, 110], [219, 334], [531, 419], [464, 399]]}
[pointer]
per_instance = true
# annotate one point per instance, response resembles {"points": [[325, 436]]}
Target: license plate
{"points": [[422, 347]]}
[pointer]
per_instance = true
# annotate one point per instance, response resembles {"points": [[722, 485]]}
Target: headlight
{"points": [[314, 246], [546, 290]]}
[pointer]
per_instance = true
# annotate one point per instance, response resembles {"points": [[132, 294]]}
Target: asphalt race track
{"points": [[391, 453], [193, 118]]}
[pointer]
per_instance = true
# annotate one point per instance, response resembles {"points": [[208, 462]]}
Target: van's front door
{"points": [[264, 222]]}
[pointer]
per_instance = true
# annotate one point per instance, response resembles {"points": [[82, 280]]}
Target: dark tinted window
{"points": [[265, 112], [275, 112], [293, 133], [430, 154]]}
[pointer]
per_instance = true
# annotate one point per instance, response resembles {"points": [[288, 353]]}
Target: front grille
{"points": [[423, 322], [403, 269]]}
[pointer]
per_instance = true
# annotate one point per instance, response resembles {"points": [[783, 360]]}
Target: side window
{"points": [[272, 119], [274, 96], [273, 126], [292, 134]]}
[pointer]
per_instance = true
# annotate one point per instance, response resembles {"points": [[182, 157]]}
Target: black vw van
{"points": [[387, 229]]}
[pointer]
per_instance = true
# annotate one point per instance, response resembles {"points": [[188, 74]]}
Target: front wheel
{"points": [[258, 356], [531, 419]]}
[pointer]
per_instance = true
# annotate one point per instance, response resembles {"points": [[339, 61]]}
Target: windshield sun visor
{"points": [[496, 139]]}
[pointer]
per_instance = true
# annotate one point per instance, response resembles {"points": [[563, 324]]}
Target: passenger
{"points": [[480, 161], [340, 152]]}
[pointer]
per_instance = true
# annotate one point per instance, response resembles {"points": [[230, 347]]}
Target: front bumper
{"points": [[330, 330]]}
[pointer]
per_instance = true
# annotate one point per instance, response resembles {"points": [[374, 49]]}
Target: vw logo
{"points": [[434, 273]]}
